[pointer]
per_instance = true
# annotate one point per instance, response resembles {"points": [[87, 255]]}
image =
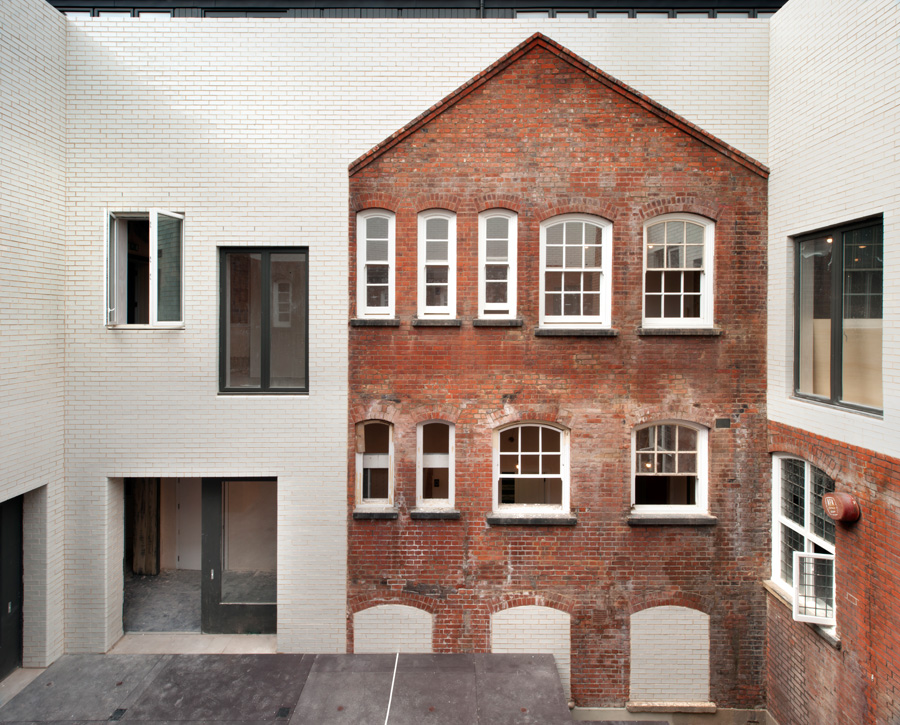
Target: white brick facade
{"points": [[834, 122], [392, 628], [533, 629], [669, 655]]}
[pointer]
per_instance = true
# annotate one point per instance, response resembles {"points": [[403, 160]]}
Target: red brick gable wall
{"points": [[542, 138]]}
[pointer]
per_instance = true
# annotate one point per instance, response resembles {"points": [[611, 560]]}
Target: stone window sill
{"points": [[679, 331], [375, 322], [693, 707], [575, 332], [641, 519], [485, 322], [381, 513], [419, 322], [531, 520], [434, 515], [825, 633]]}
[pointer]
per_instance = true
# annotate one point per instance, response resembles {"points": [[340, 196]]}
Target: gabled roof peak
{"points": [[539, 40]]}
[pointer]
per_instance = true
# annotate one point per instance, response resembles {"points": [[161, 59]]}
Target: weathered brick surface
{"points": [[808, 680], [542, 138]]}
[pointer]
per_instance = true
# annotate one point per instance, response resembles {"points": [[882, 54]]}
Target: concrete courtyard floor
{"points": [[405, 689]]}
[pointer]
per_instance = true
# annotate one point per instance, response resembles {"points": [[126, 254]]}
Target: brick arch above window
{"points": [[365, 202], [557, 601], [422, 602], [507, 202], [577, 205], [501, 417], [436, 413], [680, 205], [783, 439], [375, 410], [638, 601], [435, 202], [672, 413]]}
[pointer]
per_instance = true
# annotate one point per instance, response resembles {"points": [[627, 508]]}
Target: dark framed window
{"points": [[264, 320], [838, 315]]}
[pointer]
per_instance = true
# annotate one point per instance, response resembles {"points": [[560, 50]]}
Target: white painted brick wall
{"points": [[32, 263], [669, 655], [392, 628], [535, 630], [834, 124]]}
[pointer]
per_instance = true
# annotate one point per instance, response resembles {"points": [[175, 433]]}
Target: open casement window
{"points": [[576, 257], [531, 469], [497, 232], [839, 326], [374, 463], [375, 263], [803, 539], [437, 264], [145, 268], [678, 254], [264, 341], [434, 465], [670, 468]]}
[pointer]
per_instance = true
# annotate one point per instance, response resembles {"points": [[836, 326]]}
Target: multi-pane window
{"points": [[497, 264], [145, 269], [669, 467], [434, 469], [803, 539], [678, 271], [838, 329], [375, 263], [264, 320], [576, 251], [437, 264], [374, 463], [531, 468]]}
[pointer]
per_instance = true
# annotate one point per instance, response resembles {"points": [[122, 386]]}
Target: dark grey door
{"points": [[10, 585], [238, 587]]}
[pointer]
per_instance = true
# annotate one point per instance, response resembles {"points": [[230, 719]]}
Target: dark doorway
{"points": [[10, 585], [238, 544]]}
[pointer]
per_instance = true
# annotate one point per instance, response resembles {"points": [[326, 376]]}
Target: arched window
{"points": [[374, 463], [669, 468], [576, 258], [434, 465], [437, 264], [531, 468], [375, 263], [497, 233], [678, 256]]}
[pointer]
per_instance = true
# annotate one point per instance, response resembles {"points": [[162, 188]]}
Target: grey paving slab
{"points": [[354, 663], [222, 687], [79, 687], [167, 602], [435, 695], [519, 690], [344, 697]]}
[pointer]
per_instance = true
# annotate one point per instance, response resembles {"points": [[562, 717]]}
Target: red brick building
{"points": [[557, 387]]}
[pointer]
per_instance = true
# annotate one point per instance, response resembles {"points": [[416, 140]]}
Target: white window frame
{"points": [[603, 320], [363, 458], [810, 540], [116, 266], [701, 491], [496, 310], [362, 308], [707, 301], [527, 509], [448, 311], [433, 460]]}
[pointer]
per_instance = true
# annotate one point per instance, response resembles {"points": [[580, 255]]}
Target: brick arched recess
{"points": [[669, 655], [393, 627]]}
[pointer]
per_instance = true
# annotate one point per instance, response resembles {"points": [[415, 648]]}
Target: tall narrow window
{"points": [[375, 263], [435, 463], [803, 539], [678, 271], [531, 469], [497, 264], [374, 463], [670, 468], [145, 269], [839, 279], [437, 264], [263, 333], [576, 254]]}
